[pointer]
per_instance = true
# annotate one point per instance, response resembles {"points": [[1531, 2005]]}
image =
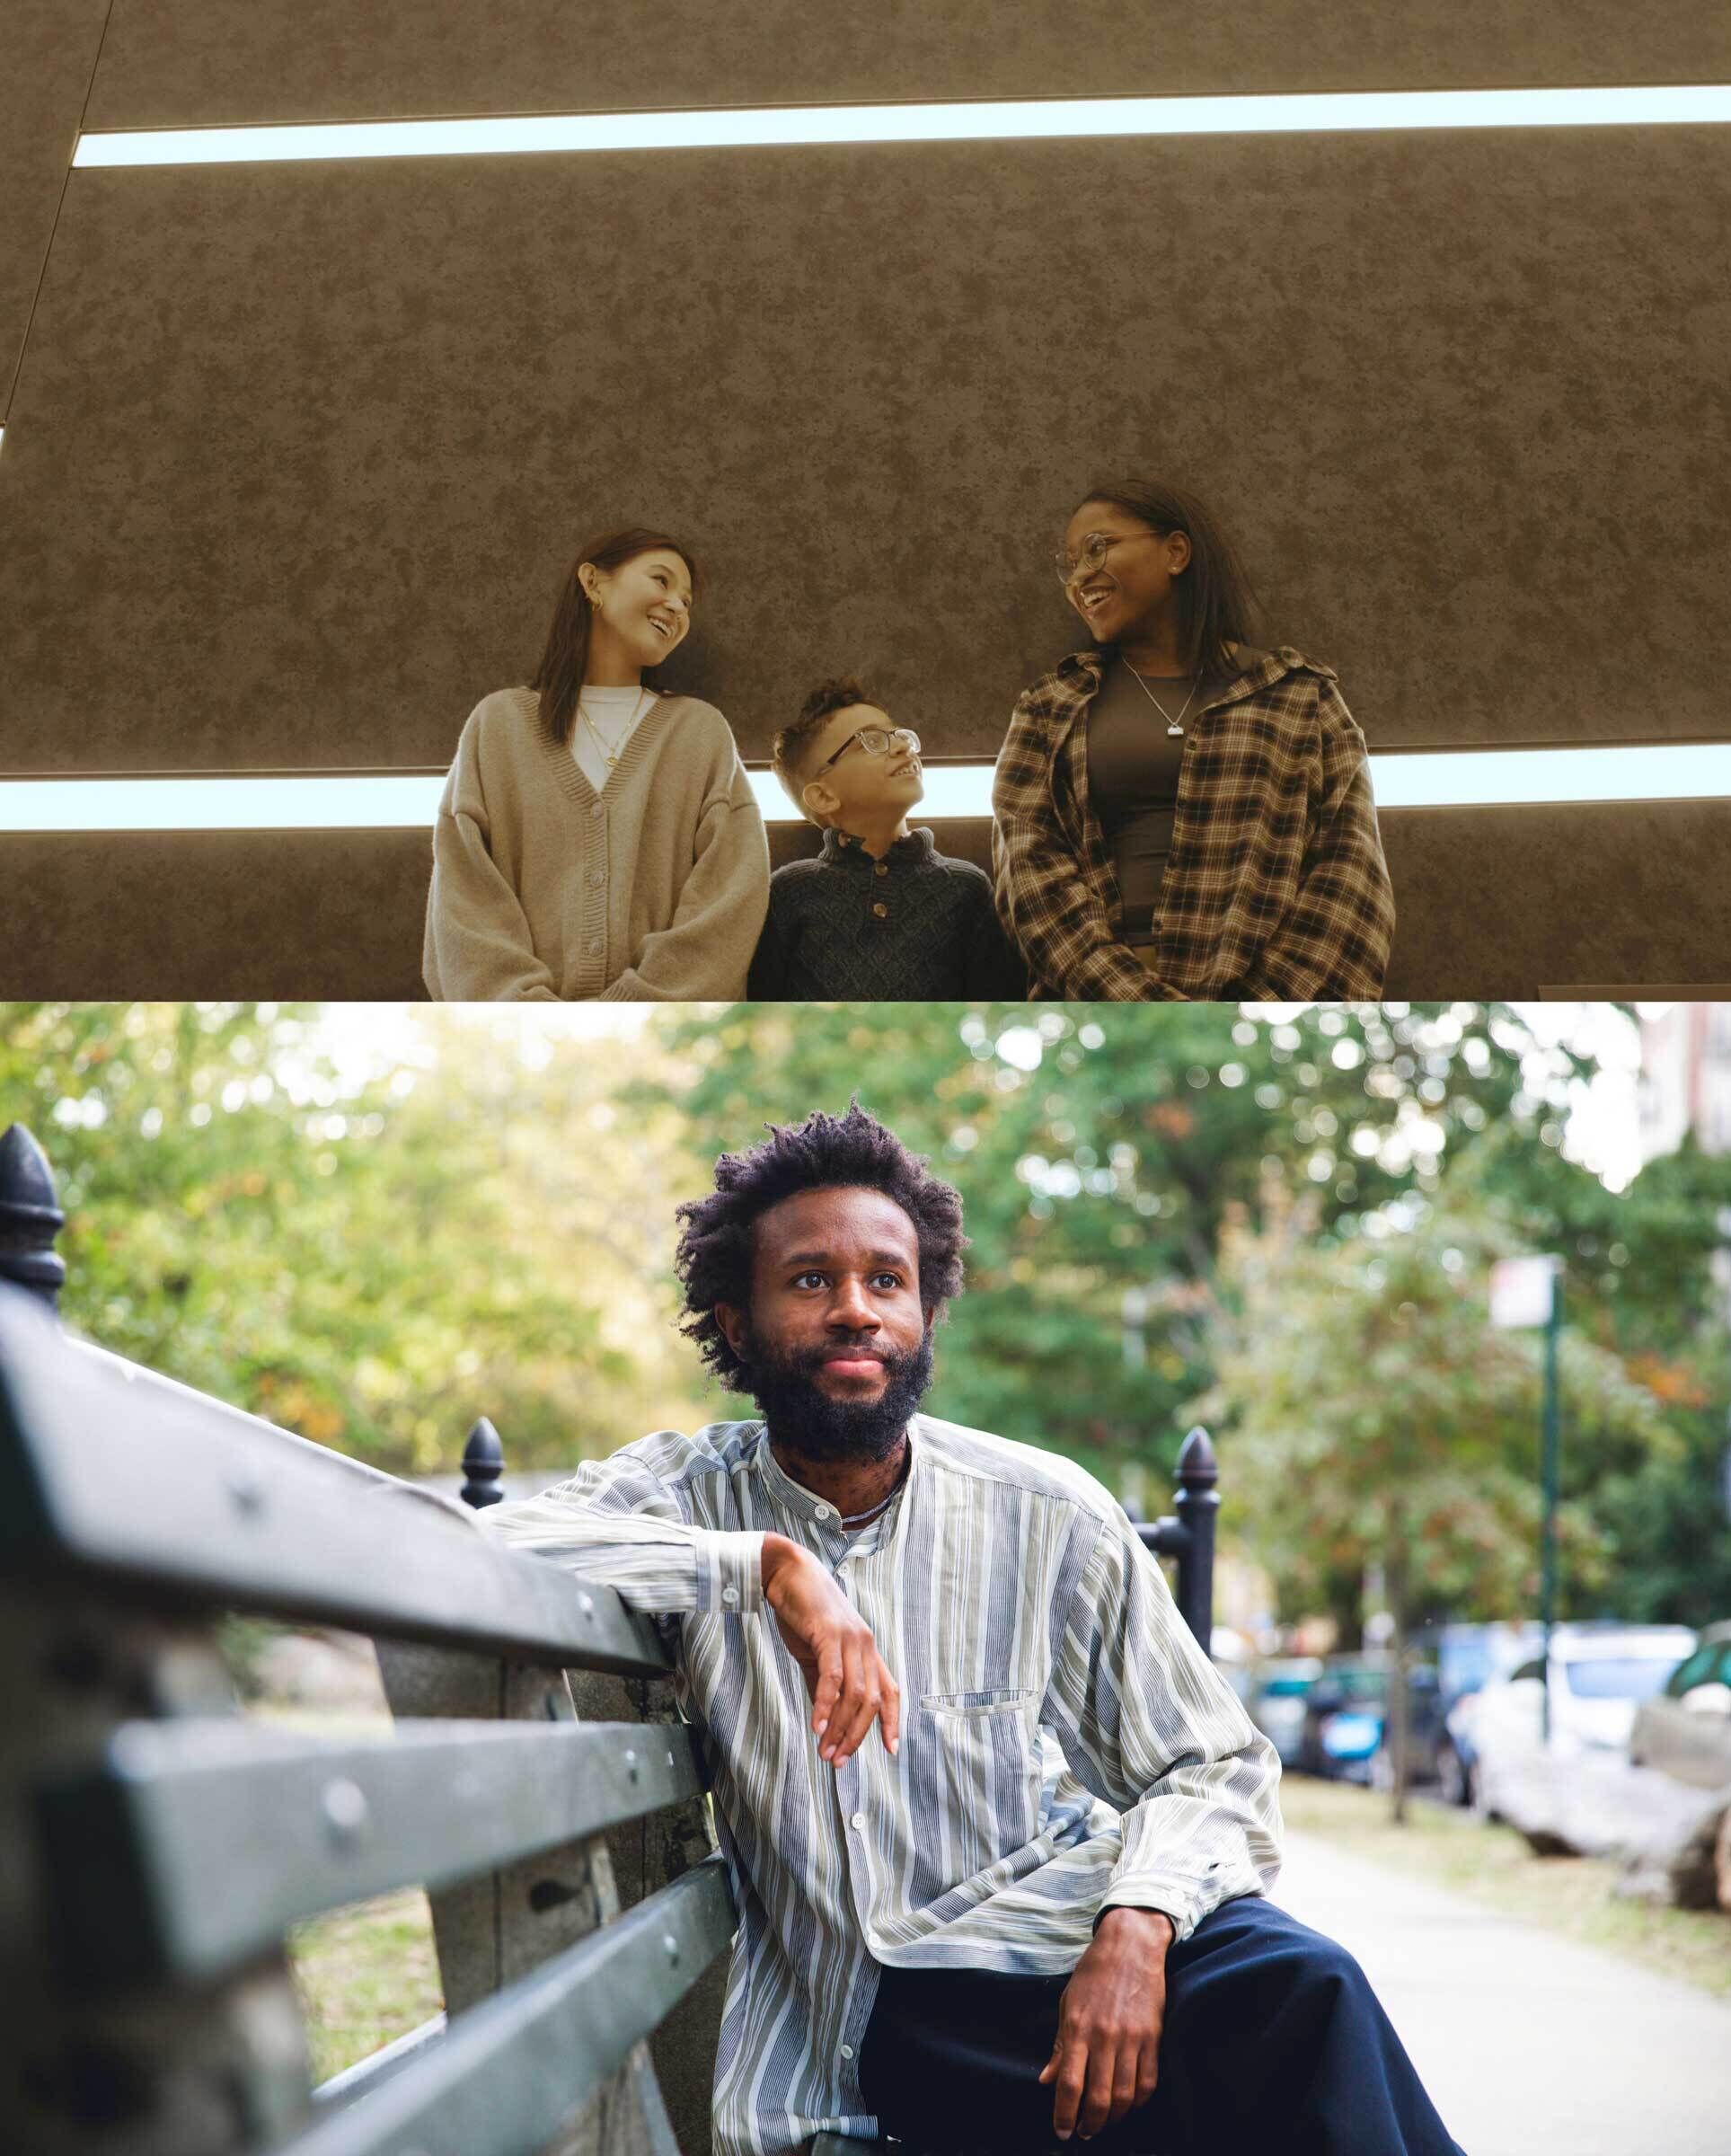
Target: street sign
{"points": [[1523, 1291]]}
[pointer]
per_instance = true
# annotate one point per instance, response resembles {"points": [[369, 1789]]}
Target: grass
{"points": [[366, 1975], [1569, 1895]]}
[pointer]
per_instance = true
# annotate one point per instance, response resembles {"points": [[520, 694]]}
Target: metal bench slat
{"points": [[371, 2073], [107, 1469], [507, 2073], [198, 1843]]}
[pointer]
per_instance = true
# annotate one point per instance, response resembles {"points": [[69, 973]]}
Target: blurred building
{"points": [[1686, 1078]]}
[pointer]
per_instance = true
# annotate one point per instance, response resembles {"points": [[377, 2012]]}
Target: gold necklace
{"points": [[1174, 727], [612, 751]]}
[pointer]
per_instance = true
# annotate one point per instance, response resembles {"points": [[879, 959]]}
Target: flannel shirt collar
{"points": [[1082, 673], [842, 850]]}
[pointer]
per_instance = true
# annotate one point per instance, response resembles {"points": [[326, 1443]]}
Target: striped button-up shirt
{"points": [[1276, 884], [1065, 1745]]}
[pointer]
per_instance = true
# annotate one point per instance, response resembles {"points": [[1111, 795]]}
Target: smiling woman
{"points": [[1177, 814], [596, 838]]}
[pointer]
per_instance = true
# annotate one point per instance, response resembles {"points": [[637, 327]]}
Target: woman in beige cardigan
{"points": [[597, 838]]}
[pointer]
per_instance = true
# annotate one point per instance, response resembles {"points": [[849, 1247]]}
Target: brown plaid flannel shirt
{"points": [[1276, 885]]}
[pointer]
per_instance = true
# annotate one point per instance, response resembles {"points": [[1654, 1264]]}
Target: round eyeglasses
{"points": [[876, 741], [1095, 548]]}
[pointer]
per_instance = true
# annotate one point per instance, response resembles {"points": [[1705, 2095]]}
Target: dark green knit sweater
{"points": [[915, 926]]}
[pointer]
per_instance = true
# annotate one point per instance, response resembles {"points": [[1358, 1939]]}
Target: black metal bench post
{"points": [[1190, 1537]]}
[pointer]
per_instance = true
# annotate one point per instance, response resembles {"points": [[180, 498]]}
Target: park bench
{"points": [[156, 1845]]}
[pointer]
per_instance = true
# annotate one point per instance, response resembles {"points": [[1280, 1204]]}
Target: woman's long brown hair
{"points": [[559, 675], [1216, 604]]}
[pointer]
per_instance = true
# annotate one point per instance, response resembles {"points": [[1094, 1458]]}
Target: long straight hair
{"points": [[1216, 604], [559, 675]]}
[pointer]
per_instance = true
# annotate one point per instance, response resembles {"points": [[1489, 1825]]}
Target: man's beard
{"points": [[807, 1422]]}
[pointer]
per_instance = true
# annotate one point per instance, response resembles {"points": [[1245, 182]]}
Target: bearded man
{"points": [[998, 1833]]}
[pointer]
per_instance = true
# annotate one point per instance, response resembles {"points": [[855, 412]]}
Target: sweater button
{"points": [[600, 808], [881, 910], [598, 877], [882, 869], [595, 947]]}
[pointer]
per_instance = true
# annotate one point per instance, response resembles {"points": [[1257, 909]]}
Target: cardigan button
{"points": [[882, 869], [600, 808], [881, 910], [598, 877], [595, 947]]}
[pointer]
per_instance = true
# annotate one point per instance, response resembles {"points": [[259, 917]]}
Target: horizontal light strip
{"points": [[1402, 779], [1694, 770], [1027, 119]]}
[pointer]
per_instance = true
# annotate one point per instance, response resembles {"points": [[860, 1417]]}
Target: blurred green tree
{"points": [[1101, 1149], [370, 1253], [1373, 1417]]}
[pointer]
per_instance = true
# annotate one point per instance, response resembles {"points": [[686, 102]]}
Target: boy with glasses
{"points": [[879, 915]]}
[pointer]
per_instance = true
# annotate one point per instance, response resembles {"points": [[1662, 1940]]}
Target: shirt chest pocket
{"points": [[976, 1783], [974, 1704]]}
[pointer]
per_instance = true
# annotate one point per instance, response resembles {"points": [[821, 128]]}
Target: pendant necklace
{"points": [[859, 1519], [1174, 727], [611, 751]]}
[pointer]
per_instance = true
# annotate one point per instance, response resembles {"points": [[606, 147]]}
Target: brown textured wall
{"points": [[1498, 903], [48, 54], [179, 62], [300, 451]]}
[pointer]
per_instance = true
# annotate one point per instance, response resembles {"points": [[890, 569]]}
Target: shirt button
{"points": [[729, 1595], [847, 2051], [859, 1819], [823, 1512], [881, 910]]}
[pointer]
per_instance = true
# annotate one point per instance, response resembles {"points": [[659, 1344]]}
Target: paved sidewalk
{"points": [[1529, 2045]]}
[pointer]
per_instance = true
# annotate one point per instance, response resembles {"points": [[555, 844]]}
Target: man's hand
{"points": [[850, 1686], [1105, 2060]]}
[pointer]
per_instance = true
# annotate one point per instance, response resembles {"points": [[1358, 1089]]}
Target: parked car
{"points": [[1686, 1729], [1468, 1658], [1599, 1674], [1345, 1711], [1276, 1700]]}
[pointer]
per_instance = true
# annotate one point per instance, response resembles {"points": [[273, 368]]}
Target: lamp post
{"points": [[1526, 1291]]}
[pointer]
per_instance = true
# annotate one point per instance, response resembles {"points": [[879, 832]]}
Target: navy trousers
{"points": [[1273, 2045]]}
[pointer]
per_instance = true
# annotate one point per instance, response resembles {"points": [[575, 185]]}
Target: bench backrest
{"points": [[155, 1845]]}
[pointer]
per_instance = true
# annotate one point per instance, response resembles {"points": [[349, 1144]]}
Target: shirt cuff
{"points": [[730, 1573], [1186, 1901], [1165, 1901]]}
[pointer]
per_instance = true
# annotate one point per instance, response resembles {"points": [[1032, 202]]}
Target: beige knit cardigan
{"points": [[654, 889]]}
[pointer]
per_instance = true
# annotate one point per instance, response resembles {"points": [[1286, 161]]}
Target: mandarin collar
{"points": [[840, 850], [804, 1503]]}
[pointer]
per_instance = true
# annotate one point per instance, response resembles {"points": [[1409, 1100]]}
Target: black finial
{"points": [[1197, 1469], [29, 1218], [483, 1462]]}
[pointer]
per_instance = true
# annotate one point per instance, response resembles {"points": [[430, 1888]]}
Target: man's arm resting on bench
{"points": [[617, 1524]]}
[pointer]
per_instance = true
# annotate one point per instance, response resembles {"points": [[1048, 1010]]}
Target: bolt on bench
{"points": [[155, 1845]]}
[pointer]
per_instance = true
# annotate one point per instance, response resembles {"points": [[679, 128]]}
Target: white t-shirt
{"points": [[617, 713]]}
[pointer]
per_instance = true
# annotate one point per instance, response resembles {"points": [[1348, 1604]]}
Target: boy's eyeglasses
{"points": [[1095, 548], [876, 741]]}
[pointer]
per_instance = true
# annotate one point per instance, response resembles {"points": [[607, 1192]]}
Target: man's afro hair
{"points": [[824, 1152]]}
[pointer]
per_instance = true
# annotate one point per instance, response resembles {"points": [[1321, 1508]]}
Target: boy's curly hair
{"points": [[824, 1152], [790, 747]]}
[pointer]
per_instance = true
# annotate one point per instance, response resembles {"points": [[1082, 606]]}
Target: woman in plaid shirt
{"points": [[1231, 850]]}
